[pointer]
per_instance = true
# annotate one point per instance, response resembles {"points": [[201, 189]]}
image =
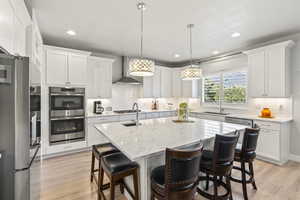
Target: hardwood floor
{"points": [[67, 178]]}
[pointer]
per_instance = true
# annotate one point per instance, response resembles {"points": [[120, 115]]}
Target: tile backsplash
{"points": [[123, 97], [279, 106]]}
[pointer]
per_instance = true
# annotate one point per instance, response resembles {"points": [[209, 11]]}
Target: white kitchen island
{"points": [[146, 143]]}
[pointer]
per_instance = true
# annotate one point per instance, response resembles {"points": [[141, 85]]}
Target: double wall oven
{"points": [[67, 114]]}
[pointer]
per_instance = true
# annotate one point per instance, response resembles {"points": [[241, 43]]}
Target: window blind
{"points": [[234, 87], [211, 88]]}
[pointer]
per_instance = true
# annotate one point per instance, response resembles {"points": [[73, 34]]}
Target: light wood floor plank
{"points": [[67, 178]]}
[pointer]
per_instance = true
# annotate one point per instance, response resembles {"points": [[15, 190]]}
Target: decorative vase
{"points": [[183, 113], [266, 112]]}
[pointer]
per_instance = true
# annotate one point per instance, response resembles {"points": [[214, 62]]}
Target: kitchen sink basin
{"points": [[216, 113], [131, 124]]}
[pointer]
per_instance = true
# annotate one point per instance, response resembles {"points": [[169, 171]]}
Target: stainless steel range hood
{"points": [[125, 79]]}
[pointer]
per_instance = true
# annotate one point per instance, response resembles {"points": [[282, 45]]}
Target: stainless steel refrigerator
{"points": [[15, 157]]}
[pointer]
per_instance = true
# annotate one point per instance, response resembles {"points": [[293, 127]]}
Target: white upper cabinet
{"points": [[57, 67], [269, 70], [256, 64], [187, 89], [159, 85], [157, 82], [166, 82], [148, 87], [176, 83], [99, 77], [77, 69], [7, 25], [190, 88], [13, 23], [34, 43], [66, 66], [34, 50], [35, 74], [19, 43]]}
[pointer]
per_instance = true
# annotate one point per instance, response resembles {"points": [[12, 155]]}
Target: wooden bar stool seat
{"points": [[97, 152], [245, 154], [117, 167]]}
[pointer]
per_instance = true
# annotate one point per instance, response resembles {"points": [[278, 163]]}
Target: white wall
{"points": [[295, 136]]}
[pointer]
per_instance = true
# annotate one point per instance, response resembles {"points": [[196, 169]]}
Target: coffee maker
{"points": [[98, 108]]}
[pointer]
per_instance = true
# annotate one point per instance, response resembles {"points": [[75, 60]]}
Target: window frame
{"points": [[224, 104]]}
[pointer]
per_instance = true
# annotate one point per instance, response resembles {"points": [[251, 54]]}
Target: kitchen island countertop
{"points": [[155, 135]]}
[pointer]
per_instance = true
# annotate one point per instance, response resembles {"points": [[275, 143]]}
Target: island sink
{"points": [[131, 124], [216, 113]]}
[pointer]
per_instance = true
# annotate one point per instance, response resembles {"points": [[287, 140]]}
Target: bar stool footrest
{"points": [[209, 196], [250, 180]]}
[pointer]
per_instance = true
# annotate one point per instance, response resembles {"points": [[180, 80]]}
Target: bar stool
{"points": [[218, 164], [117, 167], [178, 179], [245, 153], [97, 152]]}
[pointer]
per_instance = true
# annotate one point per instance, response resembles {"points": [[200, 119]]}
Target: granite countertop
{"points": [[112, 113], [155, 135], [278, 119]]}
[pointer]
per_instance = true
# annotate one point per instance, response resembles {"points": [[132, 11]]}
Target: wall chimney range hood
{"points": [[125, 79]]}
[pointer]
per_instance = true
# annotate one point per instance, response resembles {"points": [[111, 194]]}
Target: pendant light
{"points": [[141, 66], [193, 72]]}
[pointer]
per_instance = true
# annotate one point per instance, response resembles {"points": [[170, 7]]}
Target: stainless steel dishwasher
{"points": [[241, 121]]}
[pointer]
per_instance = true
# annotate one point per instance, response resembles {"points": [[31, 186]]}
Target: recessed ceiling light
{"points": [[235, 35], [71, 32], [176, 55], [215, 52]]}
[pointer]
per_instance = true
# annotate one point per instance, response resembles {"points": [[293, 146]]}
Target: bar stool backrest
{"points": [[182, 169], [224, 149], [250, 140]]}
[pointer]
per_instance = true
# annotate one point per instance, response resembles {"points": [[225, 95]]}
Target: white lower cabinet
{"points": [[273, 141], [268, 144]]}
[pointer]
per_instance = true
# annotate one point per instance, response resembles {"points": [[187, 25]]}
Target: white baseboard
{"points": [[47, 156], [294, 157]]}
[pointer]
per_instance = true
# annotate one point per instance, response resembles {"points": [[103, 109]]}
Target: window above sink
{"points": [[229, 87]]}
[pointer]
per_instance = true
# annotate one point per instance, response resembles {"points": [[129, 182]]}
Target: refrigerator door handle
{"points": [[31, 161]]}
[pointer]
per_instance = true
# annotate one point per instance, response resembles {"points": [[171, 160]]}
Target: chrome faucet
{"points": [[135, 107]]}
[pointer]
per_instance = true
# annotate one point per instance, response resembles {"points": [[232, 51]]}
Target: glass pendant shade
{"points": [[141, 67], [191, 73]]}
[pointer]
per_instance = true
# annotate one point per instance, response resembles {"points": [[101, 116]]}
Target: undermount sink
{"points": [[131, 124], [216, 113]]}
